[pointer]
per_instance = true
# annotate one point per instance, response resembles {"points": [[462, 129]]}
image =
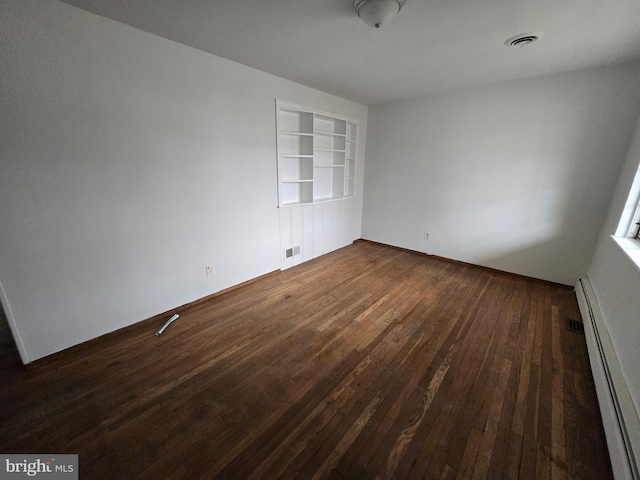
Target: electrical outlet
{"points": [[427, 235], [209, 270]]}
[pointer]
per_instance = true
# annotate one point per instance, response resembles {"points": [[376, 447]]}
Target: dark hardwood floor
{"points": [[370, 362]]}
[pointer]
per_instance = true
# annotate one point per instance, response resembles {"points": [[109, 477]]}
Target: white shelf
{"points": [[293, 204], [316, 156], [326, 199], [329, 134], [297, 134]]}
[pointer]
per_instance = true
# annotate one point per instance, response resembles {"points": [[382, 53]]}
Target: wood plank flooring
{"points": [[367, 363]]}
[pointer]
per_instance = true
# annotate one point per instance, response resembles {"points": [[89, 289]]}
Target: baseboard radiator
{"points": [[619, 415]]}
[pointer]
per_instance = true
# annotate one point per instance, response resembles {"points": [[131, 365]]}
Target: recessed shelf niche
{"points": [[317, 154]]}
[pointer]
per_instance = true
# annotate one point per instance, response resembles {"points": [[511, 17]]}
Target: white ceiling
{"points": [[431, 46]]}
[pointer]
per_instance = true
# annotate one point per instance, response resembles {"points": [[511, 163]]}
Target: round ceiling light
{"points": [[377, 12], [522, 40]]}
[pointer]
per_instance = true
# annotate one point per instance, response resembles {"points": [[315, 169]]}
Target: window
{"points": [[627, 235], [630, 218], [634, 231]]}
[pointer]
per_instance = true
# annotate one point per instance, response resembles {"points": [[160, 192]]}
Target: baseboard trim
{"points": [[619, 416], [151, 323], [467, 264]]}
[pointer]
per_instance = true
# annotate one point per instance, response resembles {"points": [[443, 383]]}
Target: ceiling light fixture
{"points": [[377, 12], [522, 40]]}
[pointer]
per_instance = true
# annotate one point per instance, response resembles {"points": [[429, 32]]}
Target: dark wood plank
{"points": [[369, 362]]}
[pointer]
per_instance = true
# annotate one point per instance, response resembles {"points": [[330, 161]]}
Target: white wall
{"points": [[516, 176], [128, 163], [616, 281]]}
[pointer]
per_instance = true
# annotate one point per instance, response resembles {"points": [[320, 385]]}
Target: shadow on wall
{"points": [[560, 236], [539, 260], [545, 221], [9, 356], [516, 176]]}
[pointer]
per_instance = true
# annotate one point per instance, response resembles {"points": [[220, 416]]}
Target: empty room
{"points": [[320, 239]]}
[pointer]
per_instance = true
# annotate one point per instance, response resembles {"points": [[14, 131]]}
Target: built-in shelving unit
{"points": [[316, 156]]}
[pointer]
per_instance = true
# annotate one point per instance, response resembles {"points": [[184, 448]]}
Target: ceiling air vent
{"points": [[522, 40]]}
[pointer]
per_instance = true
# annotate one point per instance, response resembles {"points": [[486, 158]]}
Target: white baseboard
{"points": [[619, 416]]}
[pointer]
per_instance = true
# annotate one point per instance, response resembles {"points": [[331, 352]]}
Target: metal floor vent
{"points": [[575, 326], [290, 252]]}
